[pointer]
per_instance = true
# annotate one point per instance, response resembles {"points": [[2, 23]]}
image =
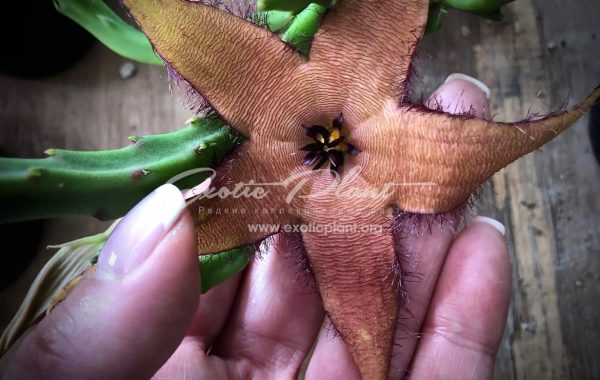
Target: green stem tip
{"points": [[216, 269], [108, 183], [104, 24]]}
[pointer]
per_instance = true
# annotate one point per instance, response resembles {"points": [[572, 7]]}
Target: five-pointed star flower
{"points": [[359, 67]]}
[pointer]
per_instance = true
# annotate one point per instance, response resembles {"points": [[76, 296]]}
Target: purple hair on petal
{"points": [[191, 97]]}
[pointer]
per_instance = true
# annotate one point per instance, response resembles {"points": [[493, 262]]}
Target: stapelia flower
{"points": [[359, 67]]}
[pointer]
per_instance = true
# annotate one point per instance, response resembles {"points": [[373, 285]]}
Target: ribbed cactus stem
{"points": [[303, 27], [294, 6], [108, 183], [490, 9], [278, 21]]}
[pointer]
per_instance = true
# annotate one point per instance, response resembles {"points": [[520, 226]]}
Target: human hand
{"points": [[141, 314]]}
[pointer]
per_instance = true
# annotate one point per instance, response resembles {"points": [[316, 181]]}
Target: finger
{"points": [[461, 94], [212, 313], [331, 358], [424, 247], [276, 316], [424, 250], [190, 360], [125, 320], [467, 315]]}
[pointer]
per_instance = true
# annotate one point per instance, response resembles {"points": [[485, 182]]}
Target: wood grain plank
{"points": [[573, 66], [548, 200], [517, 68]]}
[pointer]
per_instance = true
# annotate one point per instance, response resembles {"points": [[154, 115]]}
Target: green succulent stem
{"points": [[304, 27], [104, 24], [216, 269], [294, 6], [279, 21], [108, 183], [490, 9], [434, 18]]}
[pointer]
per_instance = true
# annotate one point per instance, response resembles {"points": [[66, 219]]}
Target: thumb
{"points": [[462, 94], [127, 319]]}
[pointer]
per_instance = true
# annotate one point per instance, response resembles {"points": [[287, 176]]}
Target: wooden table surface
{"points": [[544, 53]]}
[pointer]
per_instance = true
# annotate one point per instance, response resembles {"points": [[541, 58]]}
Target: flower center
{"points": [[328, 146]]}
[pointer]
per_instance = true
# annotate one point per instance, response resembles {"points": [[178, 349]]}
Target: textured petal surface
{"points": [[370, 46], [243, 71], [436, 160], [350, 250], [225, 220]]}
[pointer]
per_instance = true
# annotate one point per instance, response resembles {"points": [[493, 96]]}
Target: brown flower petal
{"points": [[437, 160], [242, 70]]}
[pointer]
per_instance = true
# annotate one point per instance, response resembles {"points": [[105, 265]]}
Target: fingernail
{"points": [[470, 79], [491, 222], [136, 236], [197, 190]]}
